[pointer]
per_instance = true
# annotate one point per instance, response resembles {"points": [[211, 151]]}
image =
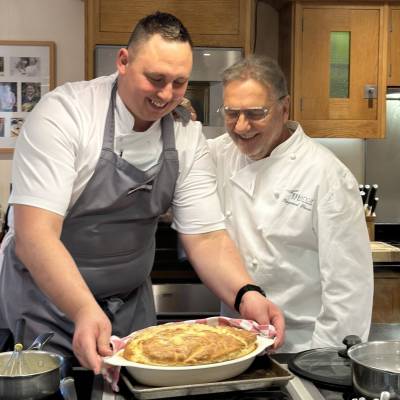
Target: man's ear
{"points": [[122, 60], [286, 106]]}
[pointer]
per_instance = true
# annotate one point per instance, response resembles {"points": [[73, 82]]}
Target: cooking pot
{"points": [[366, 369], [40, 377], [376, 368]]}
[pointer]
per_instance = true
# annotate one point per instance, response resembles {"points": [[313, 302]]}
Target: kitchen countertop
{"points": [[385, 252]]}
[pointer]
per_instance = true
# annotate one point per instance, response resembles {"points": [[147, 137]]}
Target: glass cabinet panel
{"points": [[339, 76]]}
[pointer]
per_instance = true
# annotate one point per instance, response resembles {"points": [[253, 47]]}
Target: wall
{"points": [[351, 152], [60, 21]]}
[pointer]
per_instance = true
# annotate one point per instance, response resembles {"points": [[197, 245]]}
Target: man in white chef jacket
{"points": [[96, 164], [294, 211]]}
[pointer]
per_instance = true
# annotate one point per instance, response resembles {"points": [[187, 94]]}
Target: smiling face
{"points": [[258, 138], [153, 82], [30, 90]]}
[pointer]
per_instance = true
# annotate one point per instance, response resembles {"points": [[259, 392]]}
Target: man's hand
{"points": [[91, 339], [256, 307], [186, 104]]}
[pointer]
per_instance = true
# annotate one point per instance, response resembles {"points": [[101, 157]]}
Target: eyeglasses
{"points": [[252, 114]]}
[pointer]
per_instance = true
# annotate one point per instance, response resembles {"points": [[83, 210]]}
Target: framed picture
{"points": [[27, 72], [199, 95]]}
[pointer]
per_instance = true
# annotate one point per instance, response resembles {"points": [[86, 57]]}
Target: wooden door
{"points": [[394, 48], [332, 77], [363, 33], [386, 297]]}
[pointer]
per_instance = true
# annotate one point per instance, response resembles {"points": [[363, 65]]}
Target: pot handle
{"points": [[67, 388], [348, 341], [19, 331]]}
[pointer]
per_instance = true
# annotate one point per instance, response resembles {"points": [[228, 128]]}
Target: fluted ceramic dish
{"points": [[154, 375]]}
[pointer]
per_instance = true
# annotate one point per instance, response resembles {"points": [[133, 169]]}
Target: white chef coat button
{"points": [[293, 156], [228, 214], [276, 195], [254, 262]]}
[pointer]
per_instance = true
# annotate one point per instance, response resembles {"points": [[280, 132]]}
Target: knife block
{"points": [[371, 227]]}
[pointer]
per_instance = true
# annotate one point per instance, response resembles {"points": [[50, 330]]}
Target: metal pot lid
{"points": [[324, 367]]}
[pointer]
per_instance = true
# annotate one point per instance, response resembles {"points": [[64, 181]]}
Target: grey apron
{"points": [[110, 233]]}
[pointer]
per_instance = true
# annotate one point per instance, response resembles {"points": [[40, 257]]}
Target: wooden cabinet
{"points": [[213, 23], [386, 297], [338, 56], [394, 47]]}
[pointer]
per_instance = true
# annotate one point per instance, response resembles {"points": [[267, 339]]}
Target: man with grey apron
{"points": [[116, 267], [78, 258]]}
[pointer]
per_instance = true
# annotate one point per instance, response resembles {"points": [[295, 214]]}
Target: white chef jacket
{"points": [[60, 145], [299, 223]]}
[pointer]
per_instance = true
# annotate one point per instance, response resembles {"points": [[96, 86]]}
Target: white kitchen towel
{"points": [[111, 373]]}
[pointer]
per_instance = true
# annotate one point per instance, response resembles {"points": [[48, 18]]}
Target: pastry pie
{"points": [[183, 344]]}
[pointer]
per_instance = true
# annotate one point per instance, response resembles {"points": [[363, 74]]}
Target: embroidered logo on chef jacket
{"points": [[297, 199]]}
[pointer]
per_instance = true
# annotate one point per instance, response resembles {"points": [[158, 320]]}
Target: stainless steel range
{"points": [[296, 389]]}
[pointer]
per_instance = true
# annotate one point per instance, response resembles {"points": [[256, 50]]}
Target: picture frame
{"points": [[199, 95], [27, 72]]}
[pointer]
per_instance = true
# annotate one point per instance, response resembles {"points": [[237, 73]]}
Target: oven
{"points": [[184, 301], [178, 292]]}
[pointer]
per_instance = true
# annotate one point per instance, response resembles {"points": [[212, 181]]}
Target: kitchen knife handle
{"points": [[372, 194], [373, 206], [367, 188], [362, 194]]}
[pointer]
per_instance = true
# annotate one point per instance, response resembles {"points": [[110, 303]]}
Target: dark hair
{"points": [[166, 25], [260, 68]]}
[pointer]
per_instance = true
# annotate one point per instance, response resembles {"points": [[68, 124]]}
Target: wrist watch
{"points": [[243, 290]]}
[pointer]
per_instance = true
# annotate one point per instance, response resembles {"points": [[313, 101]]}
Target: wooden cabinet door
{"points": [[201, 17], [394, 48], [386, 298], [322, 108]]}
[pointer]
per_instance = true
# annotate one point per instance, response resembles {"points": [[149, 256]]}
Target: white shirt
{"points": [[298, 221], [60, 145]]}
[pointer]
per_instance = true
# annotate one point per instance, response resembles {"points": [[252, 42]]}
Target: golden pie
{"points": [[183, 344]]}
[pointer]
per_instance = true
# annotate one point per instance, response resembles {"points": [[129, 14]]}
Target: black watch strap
{"points": [[243, 290]]}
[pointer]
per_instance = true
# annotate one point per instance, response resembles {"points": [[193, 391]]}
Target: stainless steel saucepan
{"points": [[38, 377], [376, 368]]}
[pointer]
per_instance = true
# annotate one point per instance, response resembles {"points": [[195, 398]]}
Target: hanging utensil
{"points": [[40, 341]]}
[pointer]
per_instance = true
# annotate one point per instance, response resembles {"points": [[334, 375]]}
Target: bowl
{"points": [[154, 375]]}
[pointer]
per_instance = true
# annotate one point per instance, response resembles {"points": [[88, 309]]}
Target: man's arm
{"points": [[38, 246], [345, 265], [219, 265]]}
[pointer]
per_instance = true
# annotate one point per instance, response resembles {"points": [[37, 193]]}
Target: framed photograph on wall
{"points": [[27, 72]]}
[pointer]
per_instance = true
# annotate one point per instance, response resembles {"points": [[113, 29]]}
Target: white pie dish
{"points": [[154, 375]]}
